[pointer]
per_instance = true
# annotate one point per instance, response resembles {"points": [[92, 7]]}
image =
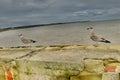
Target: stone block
{"points": [[117, 64], [75, 78], [92, 65], [87, 76], [110, 76]]}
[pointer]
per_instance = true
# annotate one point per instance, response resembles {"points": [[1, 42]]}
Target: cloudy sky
{"points": [[30, 12]]}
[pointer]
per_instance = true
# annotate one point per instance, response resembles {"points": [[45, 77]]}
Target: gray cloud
{"points": [[27, 12]]}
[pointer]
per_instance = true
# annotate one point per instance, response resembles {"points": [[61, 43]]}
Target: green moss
{"points": [[91, 77], [109, 60], [84, 75], [47, 67], [16, 71], [74, 69], [65, 75], [28, 72], [62, 78]]}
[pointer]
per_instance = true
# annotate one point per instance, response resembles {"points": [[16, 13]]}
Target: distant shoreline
{"points": [[28, 26], [40, 25]]}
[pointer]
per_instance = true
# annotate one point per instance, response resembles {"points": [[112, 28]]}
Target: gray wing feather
{"points": [[95, 38]]}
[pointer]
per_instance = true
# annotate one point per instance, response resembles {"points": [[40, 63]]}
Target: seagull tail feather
{"points": [[33, 41], [106, 41]]}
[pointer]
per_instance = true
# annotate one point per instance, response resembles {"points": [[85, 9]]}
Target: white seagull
{"points": [[26, 40], [96, 38]]}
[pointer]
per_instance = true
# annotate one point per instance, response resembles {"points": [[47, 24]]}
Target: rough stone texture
{"points": [[58, 62], [94, 65], [46, 70], [110, 76], [75, 78], [84, 75]]}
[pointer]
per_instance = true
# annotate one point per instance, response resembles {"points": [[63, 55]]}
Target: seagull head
{"points": [[90, 28]]}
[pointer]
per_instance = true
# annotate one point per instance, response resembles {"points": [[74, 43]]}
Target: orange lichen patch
{"points": [[110, 69], [9, 75]]}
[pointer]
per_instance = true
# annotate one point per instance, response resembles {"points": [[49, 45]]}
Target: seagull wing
{"points": [[95, 38], [25, 40]]}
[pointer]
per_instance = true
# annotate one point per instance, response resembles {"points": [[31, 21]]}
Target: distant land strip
{"points": [[38, 25]]}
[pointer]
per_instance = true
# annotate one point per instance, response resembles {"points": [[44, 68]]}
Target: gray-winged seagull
{"points": [[26, 40], [96, 38]]}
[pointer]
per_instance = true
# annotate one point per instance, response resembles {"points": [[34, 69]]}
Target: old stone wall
{"points": [[60, 63]]}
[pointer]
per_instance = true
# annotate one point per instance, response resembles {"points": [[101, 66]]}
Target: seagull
{"points": [[26, 40], [96, 38]]}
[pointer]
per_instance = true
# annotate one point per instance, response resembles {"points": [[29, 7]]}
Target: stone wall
{"points": [[60, 63]]}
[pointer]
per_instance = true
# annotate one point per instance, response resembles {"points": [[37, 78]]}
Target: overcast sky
{"points": [[30, 12]]}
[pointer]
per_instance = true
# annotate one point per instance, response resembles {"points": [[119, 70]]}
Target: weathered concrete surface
{"points": [[58, 62], [63, 34]]}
